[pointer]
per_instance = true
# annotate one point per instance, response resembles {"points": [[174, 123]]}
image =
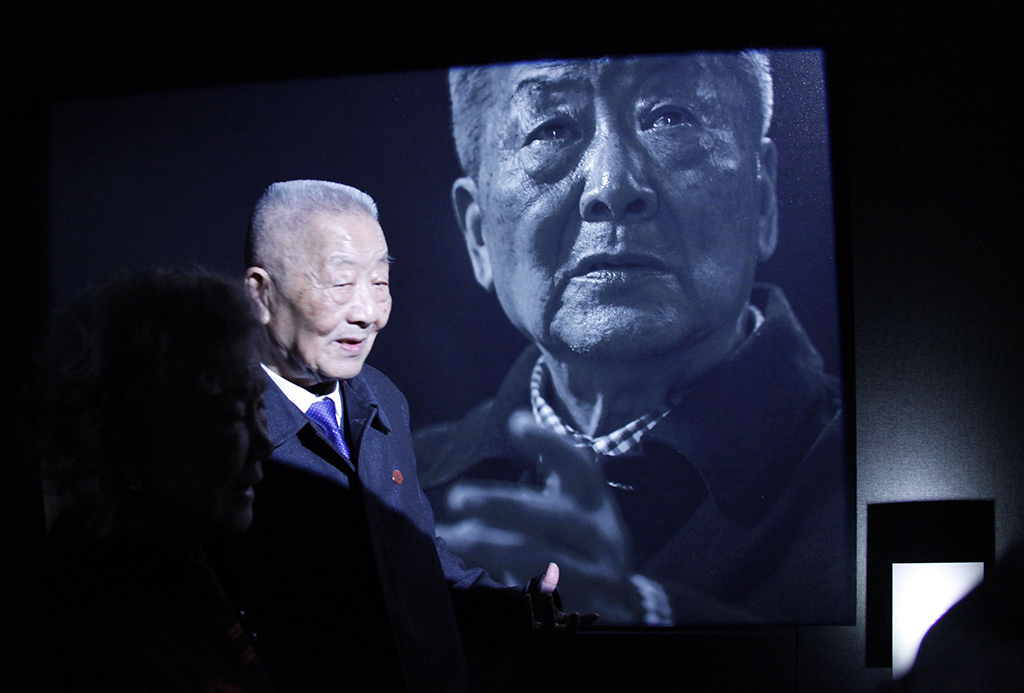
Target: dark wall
{"points": [[927, 180]]}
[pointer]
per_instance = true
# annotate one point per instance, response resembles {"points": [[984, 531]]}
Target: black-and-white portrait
{"points": [[670, 435], [615, 302]]}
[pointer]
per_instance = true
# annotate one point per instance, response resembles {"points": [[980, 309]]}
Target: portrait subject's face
{"points": [[621, 205], [325, 309]]}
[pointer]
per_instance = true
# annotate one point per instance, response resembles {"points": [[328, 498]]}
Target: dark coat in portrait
{"points": [[341, 576], [738, 504]]}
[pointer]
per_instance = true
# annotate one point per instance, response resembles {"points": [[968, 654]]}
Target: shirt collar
{"points": [[622, 441], [303, 398], [618, 442], [735, 424]]}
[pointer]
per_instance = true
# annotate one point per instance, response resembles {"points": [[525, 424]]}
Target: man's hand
{"points": [[571, 520], [546, 619], [549, 583]]}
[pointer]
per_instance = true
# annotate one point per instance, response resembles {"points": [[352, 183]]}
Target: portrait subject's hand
{"points": [[572, 521]]}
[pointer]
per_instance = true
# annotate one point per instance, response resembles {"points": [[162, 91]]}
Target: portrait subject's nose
{"points": [[616, 188]]}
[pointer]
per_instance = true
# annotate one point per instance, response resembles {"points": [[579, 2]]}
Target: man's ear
{"points": [[257, 285], [467, 213], [767, 177]]}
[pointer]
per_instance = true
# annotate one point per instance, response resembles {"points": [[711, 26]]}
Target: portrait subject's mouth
{"points": [[607, 267]]}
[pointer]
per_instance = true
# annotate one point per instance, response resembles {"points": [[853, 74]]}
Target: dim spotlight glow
{"points": [[921, 594]]}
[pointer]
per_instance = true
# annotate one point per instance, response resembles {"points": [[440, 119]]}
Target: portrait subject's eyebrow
{"points": [[548, 85], [697, 86]]}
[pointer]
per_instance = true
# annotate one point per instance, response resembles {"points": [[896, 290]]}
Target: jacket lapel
{"points": [[286, 423]]}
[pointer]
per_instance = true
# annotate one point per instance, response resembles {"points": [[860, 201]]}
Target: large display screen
{"points": [[615, 302]]}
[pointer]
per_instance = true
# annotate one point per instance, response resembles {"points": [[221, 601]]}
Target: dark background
{"points": [[926, 162]]}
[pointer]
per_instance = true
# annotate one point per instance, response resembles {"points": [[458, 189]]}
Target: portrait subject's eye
{"points": [[552, 145], [666, 117], [554, 132]]}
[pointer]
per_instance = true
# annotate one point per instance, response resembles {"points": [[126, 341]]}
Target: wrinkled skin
{"points": [[325, 305], [621, 206], [619, 212]]}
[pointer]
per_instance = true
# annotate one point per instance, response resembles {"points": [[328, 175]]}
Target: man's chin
{"points": [[345, 370], [621, 339], [312, 377]]}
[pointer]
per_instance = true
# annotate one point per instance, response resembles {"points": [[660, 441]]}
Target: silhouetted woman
{"points": [[147, 414]]}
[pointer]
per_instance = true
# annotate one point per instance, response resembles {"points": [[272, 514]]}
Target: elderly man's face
{"points": [[621, 206], [325, 307]]}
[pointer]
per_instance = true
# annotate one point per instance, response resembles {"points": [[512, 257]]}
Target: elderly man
{"points": [[341, 577], [684, 457]]}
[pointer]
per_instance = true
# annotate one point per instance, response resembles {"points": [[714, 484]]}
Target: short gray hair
{"points": [[471, 97], [289, 205]]}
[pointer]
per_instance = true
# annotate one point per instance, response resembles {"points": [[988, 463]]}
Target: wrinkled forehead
{"points": [[703, 77], [327, 239]]}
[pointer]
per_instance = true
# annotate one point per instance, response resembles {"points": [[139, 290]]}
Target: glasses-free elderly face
{"points": [[621, 205], [324, 307]]}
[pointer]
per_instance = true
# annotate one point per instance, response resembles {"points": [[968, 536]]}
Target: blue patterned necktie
{"points": [[322, 414]]}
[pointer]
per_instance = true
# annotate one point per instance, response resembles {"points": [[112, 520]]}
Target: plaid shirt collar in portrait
{"points": [[620, 442], [624, 440]]}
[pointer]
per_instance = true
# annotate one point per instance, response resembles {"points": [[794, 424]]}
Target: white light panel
{"points": [[921, 594]]}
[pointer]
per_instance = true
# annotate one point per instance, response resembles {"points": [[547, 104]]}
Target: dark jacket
{"points": [[341, 576], [740, 504]]}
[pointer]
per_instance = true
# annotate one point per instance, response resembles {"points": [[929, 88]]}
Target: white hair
{"points": [[288, 206]]}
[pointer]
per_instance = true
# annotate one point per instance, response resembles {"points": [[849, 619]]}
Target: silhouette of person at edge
{"points": [[147, 416], [976, 646]]}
